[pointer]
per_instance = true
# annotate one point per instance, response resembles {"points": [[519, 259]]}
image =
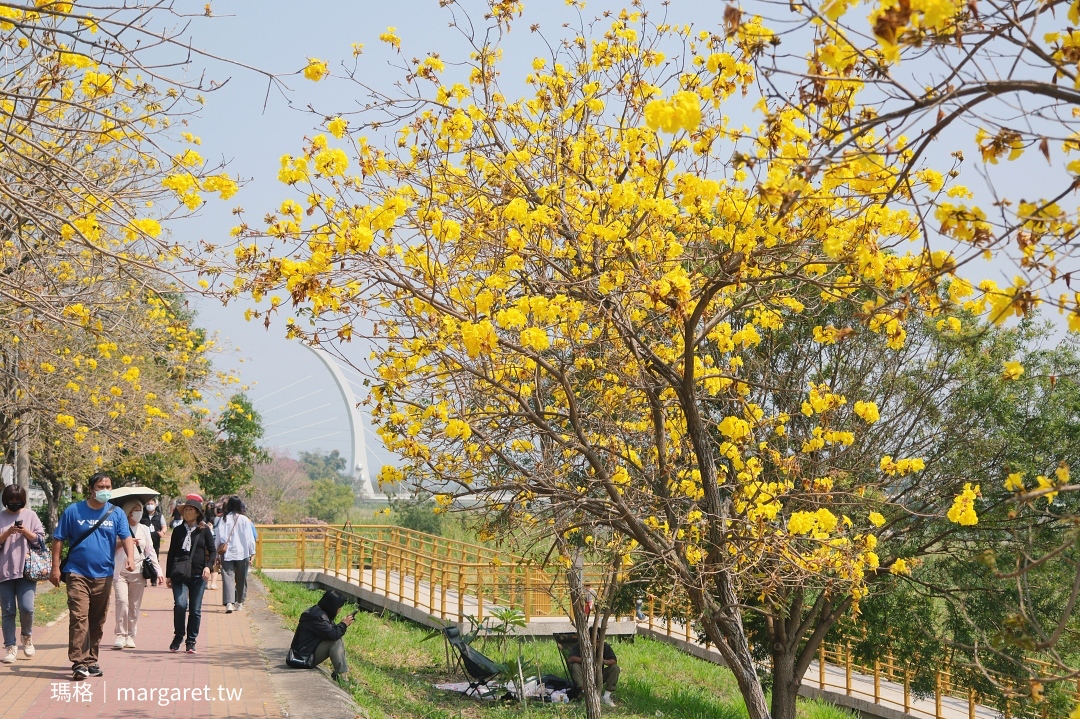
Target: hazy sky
{"points": [[250, 125]]}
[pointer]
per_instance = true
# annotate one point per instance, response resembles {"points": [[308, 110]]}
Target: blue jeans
{"points": [[17, 592], [187, 600]]}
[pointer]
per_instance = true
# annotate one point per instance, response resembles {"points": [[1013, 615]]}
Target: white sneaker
{"points": [[28, 647], [229, 608], [119, 643], [239, 606], [11, 654], [606, 699], [129, 643]]}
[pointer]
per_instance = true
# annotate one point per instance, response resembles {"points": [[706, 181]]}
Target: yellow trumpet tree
{"points": [[90, 162], [998, 81], [125, 387], [560, 290]]}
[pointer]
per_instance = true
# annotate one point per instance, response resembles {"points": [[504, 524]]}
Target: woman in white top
{"points": [[128, 586], [236, 546]]}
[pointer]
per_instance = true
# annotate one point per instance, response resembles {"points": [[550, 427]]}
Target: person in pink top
{"points": [[19, 529]]}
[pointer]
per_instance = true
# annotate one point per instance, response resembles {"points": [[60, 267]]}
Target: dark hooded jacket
{"points": [[317, 624]]}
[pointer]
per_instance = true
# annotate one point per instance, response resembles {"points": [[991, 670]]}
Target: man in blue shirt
{"points": [[90, 567]]}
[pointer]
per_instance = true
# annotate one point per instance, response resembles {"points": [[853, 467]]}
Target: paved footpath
{"points": [[238, 670], [226, 678]]}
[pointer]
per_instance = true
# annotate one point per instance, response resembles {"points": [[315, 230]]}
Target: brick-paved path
{"points": [[227, 658]]}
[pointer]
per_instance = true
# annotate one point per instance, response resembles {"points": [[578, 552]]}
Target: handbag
{"points": [[225, 545], [296, 660], [148, 570], [64, 574], [38, 562]]}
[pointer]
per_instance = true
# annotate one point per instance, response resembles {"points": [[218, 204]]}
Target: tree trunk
{"points": [[785, 684], [722, 622], [22, 451], [590, 670]]}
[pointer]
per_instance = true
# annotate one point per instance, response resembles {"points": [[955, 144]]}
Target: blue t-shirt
{"points": [[95, 557]]}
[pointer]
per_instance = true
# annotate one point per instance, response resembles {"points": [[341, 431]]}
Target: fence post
{"points": [[937, 694], [479, 594], [325, 550], [652, 611], [431, 587], [528, 594], [907, 692], [821, 665], [400, 573], [303, 550], [971, 703], [416, 579], [259, 551], [461, 596], [360, 563], [847, 668], [877, 681], [337, 556], [348, 559]]}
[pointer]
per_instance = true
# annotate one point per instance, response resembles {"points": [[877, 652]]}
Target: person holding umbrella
{"points": [[128, 586]]}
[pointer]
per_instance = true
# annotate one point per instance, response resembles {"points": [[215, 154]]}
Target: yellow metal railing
{"points": [[450, 579], [446, 578], [891, 670]]}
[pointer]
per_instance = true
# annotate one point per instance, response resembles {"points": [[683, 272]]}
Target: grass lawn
{"points": [[394, 669], [49, 603]]}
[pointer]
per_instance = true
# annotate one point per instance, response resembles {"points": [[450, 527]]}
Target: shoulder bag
{"points": [[148, 570], [38, 562], [296, 660], [64, 574], [225, 545], [182, 567]]}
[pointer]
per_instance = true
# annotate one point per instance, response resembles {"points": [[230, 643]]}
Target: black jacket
{"points": [[202, 544], [154, 521], [317, 624]]}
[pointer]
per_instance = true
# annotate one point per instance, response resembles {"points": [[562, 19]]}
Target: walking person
{"points": [[187, 570], [92, 529], [175, 519], [211, 519], [153, 519], [235, 547], [20, 529], [128, 586]]}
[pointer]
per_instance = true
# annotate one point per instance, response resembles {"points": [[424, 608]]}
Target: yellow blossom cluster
{"points": [[963, 508]]}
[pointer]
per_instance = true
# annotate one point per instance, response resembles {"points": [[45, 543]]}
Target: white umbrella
{"points": [[122, 494]]}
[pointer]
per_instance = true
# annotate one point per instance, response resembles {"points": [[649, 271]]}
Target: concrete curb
{"points": [[302, 694]]}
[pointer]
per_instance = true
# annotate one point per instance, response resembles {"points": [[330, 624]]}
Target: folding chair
{"points": [[478, 668], [565, 642]]}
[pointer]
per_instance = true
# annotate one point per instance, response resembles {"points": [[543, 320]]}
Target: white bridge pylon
{"points": [[359, 466]]}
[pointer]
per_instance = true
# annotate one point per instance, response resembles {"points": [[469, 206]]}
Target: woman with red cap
{"points": [[187, 569]]}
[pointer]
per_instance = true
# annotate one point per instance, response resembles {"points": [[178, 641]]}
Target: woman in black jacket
{"points": [[191, 555], [317, 636]]}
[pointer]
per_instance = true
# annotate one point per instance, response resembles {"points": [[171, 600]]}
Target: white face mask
{"points": [[150, 508], [136, 516]]}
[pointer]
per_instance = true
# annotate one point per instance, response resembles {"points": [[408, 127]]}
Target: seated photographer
{"points": [[317, 637], [610, 671]]}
